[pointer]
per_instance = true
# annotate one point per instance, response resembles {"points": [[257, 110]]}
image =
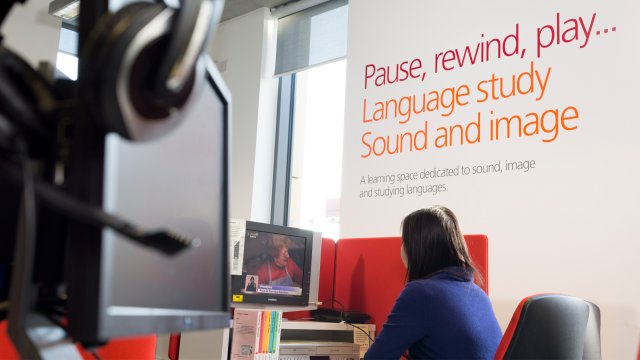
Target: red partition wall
{"points": [[7, 351], [142, 348], [325, 290], [478, 246], [138, 347], [327, 268], [369, 273]]}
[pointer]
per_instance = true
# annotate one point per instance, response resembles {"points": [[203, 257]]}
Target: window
{"points": [[67, 59], [308, 162], [316, 167], [68, 65]]}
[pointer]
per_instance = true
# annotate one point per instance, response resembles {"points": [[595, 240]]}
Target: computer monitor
{"points": [[275, 267], [179, 183]]}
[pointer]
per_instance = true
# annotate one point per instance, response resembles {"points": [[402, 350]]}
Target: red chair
{"points": [[552, 326]]}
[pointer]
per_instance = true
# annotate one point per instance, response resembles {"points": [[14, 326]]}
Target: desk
{"points": [[204, 344], [328, 331]]}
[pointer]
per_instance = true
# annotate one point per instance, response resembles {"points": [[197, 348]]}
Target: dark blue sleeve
{"points": [[405, 325]]}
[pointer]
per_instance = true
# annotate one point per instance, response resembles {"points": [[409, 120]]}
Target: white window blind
{"points": [[68, 41], [312, 37]]}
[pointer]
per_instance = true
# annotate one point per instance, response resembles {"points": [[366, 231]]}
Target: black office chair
{"points": [[552, 326]]}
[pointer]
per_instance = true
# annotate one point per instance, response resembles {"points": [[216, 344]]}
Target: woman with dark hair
{"points": [[441, 313]]}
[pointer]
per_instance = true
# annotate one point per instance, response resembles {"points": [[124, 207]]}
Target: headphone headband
{"points": [[192, 27]]}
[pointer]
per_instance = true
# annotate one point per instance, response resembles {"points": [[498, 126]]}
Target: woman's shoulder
{"points": [[420, 288], [423, 294]]}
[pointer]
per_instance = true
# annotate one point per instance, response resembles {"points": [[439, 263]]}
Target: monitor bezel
{"points": [[90, 317], [309, 298]]}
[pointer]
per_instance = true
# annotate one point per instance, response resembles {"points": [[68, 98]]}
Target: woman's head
{"points": [[431, 241], [278, 249]]}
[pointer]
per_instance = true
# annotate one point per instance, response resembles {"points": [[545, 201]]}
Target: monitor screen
{"points": [[177, 182], [275, 266]]}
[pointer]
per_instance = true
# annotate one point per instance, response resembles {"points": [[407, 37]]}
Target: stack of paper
{"points": [[256, 334]]}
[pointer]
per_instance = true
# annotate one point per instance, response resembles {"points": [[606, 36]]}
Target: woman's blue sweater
{"points": [[445, 316]]}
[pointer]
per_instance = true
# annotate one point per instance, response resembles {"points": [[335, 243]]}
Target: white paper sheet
{"points": [[237, 231], [360, 338]]}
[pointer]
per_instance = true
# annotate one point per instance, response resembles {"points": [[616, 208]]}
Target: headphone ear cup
{"points": [[102, 37], [121, 67], [26, 100]]}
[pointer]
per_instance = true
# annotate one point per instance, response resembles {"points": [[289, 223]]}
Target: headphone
{"points": [[138, 69], [143, 63], [26, 100]]}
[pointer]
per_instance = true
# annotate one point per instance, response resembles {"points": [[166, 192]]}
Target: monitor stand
{"points": [[33, 334]]}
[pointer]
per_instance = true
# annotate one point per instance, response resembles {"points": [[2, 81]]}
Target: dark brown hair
{"points": [[432, 241]]}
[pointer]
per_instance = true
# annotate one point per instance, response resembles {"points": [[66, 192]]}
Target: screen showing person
{"points": [[273, 263], [250, 285], [275, 267], [279, 269]]}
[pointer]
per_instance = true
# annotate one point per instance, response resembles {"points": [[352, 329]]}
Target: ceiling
{"points": [[235, 8], [232, 8]]}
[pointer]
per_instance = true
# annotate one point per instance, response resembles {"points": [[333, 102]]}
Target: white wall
{"points": [[567, 226], [243, 51], [242, 44], [31, 32]]}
